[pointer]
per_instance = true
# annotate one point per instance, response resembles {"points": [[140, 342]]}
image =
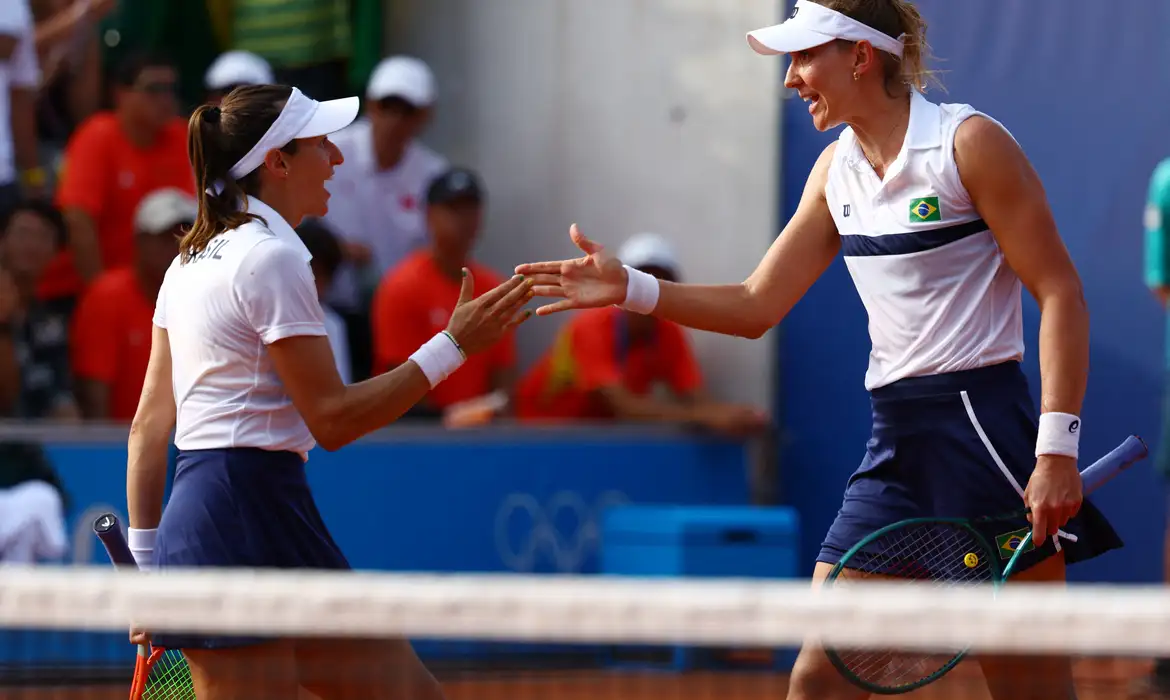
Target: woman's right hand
{"points": [[596, 280], [138, 636], [477, 324]]}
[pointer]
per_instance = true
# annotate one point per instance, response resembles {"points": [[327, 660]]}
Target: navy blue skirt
{"points": [[925, 459], [241, 507]]}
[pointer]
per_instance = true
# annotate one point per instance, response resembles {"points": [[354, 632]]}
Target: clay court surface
{"points": [[1097, 680]]}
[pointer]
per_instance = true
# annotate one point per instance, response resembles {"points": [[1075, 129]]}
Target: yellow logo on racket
{"points": [[971, 560]]}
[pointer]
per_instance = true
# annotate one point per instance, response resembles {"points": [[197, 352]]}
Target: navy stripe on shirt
{"points": [[858, 246]]}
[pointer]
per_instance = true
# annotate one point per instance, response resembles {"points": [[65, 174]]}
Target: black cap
{"points": [[457, 183]]}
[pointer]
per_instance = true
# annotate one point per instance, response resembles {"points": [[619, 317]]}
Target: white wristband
{"points": [[439, 357], [641, 291], [141, 544], [1060, 434]]}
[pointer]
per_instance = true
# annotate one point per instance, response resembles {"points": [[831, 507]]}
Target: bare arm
{"points": [[1009, 196], [87, 254], [795, 260], [24, 128], [150, 435]]}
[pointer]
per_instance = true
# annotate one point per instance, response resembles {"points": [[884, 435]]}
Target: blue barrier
{"points": [[418, 499]]}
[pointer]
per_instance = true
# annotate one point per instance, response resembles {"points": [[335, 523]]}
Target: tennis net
{"points": [[63, 630]]}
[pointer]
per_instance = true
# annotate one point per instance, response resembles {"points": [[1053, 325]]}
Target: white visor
{"points": [[301, 118], [812, 25]]}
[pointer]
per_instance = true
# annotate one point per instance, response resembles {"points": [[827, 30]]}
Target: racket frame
{"points": [[109, 531], [1132, 450]]}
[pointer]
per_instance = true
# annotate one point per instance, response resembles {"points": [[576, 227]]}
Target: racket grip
{"points": [[1131, 451], [109, 531]]}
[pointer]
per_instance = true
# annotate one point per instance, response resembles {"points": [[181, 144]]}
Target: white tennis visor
{"points": [[812, 25], [301, 118]]}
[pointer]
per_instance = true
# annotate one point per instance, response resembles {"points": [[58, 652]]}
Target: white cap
{"points": [[649, 250], [163, 209], [238, 68], [302, 118], [405, 77], [811, 25]]}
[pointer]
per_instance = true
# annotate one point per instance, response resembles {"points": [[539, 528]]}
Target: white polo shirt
{"points": [[19, 72], [939, 294], [383, 209], [250, 287]]}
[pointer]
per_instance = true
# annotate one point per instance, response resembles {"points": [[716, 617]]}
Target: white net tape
{"points": [[1076, 619]]}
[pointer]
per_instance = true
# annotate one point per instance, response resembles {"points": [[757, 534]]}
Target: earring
{"points": [[855, 76]]}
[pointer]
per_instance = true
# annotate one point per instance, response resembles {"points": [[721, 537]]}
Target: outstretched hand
{"points": [[477, 323], [595, 280]]}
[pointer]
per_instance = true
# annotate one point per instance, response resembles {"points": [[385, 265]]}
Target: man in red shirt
{"points": [[112, 324], [415, 298], [112, 161], [608, 364]]}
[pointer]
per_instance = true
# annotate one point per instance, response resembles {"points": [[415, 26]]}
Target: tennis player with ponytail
{"points": [[941, 219], [242, 369]]}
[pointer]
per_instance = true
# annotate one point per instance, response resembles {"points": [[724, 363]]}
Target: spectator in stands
{"points": [[233, 69], [1157, 274], [113, 160], [307, 42], [326, 252], [35, 380], [417, 297], [19, 80], [607, 364], [376, 208], [69, 51], [32, 506], [113, 322]]}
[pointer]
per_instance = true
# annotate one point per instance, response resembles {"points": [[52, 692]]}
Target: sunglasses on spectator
{"points": [[160, 88]]}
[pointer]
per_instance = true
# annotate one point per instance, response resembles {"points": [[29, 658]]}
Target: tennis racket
{"points": [[159, 674], [944, 551]]}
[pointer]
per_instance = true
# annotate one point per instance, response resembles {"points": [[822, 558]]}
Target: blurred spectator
{"points": [[19, 80], [32, 506], [113, 322], [34, 339], [233, 69], [1157, 274], [307, 42], [416, 299], [113, 160], [326, 254], [608, 363], [376, 208], [69, 49]]}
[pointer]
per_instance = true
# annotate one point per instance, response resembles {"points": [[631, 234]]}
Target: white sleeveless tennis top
{"points": [[939, 294]]}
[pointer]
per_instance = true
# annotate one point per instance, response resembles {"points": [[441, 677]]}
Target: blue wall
{"points": [[1083, 88]]}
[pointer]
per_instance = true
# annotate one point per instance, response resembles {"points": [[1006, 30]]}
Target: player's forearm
{"points": [[146, 472], [1064, 351], [730, 309], [368, 406]]}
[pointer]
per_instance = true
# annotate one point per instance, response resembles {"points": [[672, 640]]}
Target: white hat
{"points": [[405, 77], [301, 118], [649, 250], [238, 68], [811, 25], [163, 209]]}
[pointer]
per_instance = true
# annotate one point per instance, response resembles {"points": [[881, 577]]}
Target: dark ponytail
{"points": [[217, 137]]}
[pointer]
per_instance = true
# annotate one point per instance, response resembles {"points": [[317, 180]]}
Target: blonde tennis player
{"points": [[242, 369], [941, 220]]}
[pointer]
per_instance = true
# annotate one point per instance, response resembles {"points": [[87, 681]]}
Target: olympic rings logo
{"points": [[562, 533]]}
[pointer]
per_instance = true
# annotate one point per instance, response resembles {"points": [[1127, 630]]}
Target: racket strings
{"points": [[941, 555], [170, 678]]}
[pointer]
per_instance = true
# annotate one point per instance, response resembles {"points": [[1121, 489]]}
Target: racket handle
{"points": [[1131, 451], [109, 531]]}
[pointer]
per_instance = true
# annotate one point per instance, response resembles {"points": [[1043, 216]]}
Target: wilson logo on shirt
{"points": [[925, 209]]}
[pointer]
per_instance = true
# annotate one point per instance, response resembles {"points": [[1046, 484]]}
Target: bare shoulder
{"points": [[982, 140], [818, 177]]}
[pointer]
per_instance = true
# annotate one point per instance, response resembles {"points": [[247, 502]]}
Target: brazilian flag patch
{"points": [[1008, 542], [925, 209]]}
